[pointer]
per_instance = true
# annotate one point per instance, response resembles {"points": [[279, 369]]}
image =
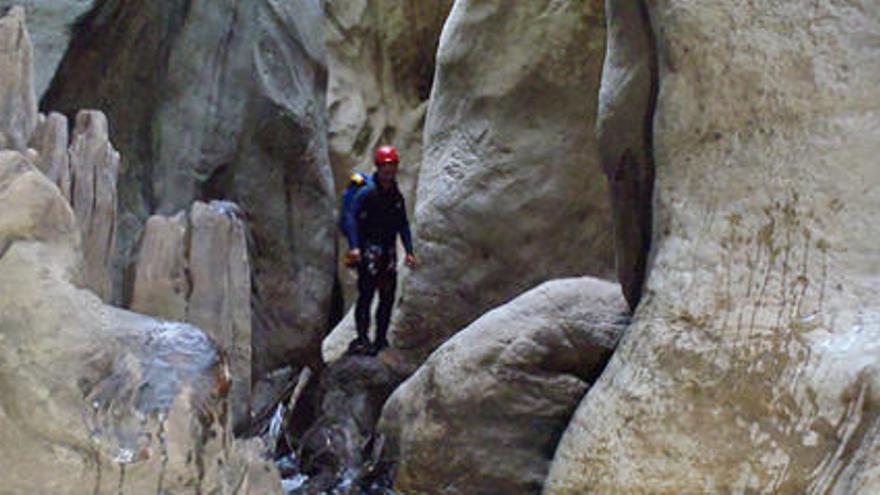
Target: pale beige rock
{"points": [[752, 363], [510, 191], [18, 104], [51, 140], [380, 63], [499, 393], [94, 166], [161, 283], [220, 301], [96, 399], [49, 24]]}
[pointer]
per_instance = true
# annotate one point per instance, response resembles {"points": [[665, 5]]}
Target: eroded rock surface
{"points": [[511, 192], [195, 268], [751, 365], [221, 100], [103, 399], [18, 104], [49, 25], [94, 168], [50, 140], [498, 395], [380, 59]]}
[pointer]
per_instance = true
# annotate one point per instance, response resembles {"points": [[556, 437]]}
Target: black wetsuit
{"points": [[372, 224]]}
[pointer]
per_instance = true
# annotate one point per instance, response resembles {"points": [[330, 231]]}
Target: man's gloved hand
{"points": [[353, 258], [410, 260]]}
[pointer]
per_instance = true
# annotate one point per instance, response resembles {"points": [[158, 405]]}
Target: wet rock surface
{"points": [[752, 361], [195, 268], [324, 432], [624, 130], [486, 410]]}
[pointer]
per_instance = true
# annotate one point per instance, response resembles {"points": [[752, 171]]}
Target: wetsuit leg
{"points": [[387, 286], [366, 288]]}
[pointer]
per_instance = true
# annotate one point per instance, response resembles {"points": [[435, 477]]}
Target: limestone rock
{"points": [[103, 399], [51, 140], [94, 166], [18, 104], [380, 60], [195, 268], [49, 24], [510, 191], [498, 395], [221, 100], [221, 289], [751, 365], [161, 284]]}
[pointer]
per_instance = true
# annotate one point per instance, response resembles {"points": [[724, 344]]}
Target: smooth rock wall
{"points": [[751, 365], [511, 191]]}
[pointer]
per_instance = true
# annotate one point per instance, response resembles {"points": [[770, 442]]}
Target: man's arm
{"points": [[406, 237]]}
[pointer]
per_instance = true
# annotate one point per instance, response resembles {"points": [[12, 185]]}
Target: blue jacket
{"points": [[372, 216]]}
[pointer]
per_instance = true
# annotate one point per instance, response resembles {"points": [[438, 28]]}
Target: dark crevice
{"points": [[625, 128]]}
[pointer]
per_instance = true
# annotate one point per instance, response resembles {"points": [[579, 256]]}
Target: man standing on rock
{"points": [[372, 222]]}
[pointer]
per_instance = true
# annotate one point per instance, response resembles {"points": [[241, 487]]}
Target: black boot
{"points": [[377, 346], [360, 345]]}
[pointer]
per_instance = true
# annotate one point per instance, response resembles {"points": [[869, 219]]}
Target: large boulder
{"points": [[510, 192], [752, 363], [221, 100], [195, 268], [499, 394], [49, 23], [97, 399]]}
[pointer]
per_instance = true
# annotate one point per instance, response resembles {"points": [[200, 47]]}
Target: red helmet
{"points": [[385, 154]]}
